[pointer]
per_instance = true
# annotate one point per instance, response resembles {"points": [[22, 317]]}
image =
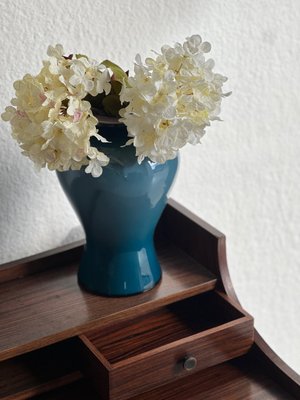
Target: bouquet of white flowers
{"points": [[168, 102]]}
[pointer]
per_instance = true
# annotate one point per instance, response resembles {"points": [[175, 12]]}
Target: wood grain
{"points": [[165, 364], [49, 306], [165, 325], [149, 351], [234, 380], [208, 246]]}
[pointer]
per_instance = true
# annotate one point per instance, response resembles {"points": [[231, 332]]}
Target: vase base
{"points": [[123, 294], [118, 274]]}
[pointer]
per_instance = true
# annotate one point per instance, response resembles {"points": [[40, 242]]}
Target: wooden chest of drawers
{"points": [[188, 338]]}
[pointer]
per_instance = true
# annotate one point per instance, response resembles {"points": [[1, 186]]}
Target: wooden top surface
{"points": [[49, 306]]}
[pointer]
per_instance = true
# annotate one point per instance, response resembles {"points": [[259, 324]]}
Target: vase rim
{"points": [[105, 120]]}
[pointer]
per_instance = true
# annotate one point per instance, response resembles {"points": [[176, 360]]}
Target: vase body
{"points": [[119, 212]]}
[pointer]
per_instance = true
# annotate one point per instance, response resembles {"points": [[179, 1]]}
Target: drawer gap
{"points": [[39, 371]]}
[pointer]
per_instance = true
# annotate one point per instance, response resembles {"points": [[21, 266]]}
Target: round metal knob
{"points": [[189, 363]]}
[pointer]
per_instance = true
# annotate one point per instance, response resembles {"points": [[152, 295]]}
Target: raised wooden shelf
{"points": [[41, 304], [49, 306]]}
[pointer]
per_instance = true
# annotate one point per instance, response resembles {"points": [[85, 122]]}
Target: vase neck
{"points": [[116, 134]]}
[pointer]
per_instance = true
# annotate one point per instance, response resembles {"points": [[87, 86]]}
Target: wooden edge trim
{"points": [[289, 378], [42, 255], [40, 262], [263, 350], [262, 354], [234, 304], [93, 349], [193, 217]]}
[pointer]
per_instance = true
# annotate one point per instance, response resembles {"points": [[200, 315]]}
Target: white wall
{"points": [[243, 179]]}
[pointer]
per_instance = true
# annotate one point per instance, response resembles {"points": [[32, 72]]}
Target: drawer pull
{"points": [[189, 363]]}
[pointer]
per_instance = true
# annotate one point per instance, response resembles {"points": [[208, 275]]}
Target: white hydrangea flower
{"points": [[49, 118], [56, 52], [97, 161], [79, 76], [91, 75], [172, 99]]}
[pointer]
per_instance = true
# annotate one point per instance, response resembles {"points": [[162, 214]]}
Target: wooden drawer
{"points": [[172, 342]]}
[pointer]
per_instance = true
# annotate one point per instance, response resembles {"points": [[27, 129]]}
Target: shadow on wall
{"points": [[75, 234]]}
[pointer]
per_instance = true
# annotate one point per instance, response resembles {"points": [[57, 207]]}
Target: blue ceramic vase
{"points": [[119, 212]]}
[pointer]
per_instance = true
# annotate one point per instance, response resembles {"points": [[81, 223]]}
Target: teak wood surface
{"points": [[149, 351], [41, 304], [48, 306]]}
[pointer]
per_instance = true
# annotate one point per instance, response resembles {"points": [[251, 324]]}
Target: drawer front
{"points": [[179, 359]]}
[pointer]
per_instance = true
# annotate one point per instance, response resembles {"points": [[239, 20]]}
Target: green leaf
{"points": [[116, 87], [119, 74], [80, 55]]}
